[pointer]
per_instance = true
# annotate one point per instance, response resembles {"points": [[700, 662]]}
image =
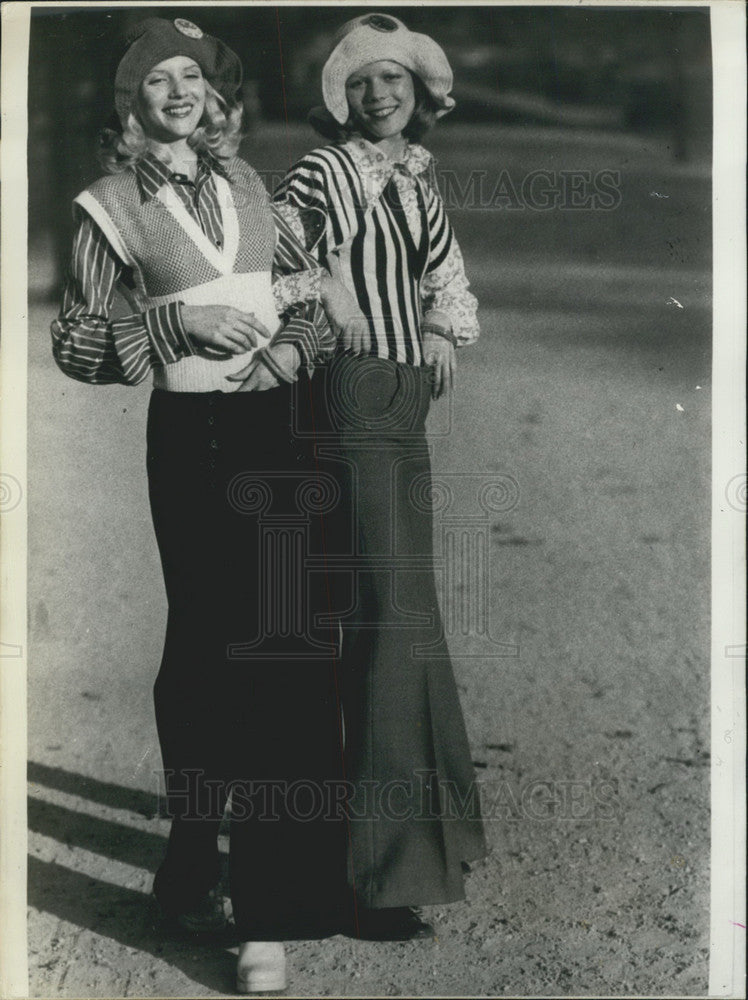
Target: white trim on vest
{"points": [[248, 291], [175, 207], [101, 217], [135, 297], [230, 220]]}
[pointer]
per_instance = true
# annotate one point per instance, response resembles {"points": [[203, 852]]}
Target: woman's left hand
{"points": [[439, 354], [257, 377]]}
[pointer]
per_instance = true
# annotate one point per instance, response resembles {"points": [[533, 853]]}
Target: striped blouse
{"points": [[91, 346], [381, 227]]}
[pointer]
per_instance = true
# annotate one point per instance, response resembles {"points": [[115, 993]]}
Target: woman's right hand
{"points": [[223, 328], [348, 322]]}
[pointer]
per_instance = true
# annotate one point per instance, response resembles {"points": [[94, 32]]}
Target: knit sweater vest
{"points": [[172, 260]]}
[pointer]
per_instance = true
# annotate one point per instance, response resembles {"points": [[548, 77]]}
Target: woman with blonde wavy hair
{"points": [[225, 315], [219, 133]]}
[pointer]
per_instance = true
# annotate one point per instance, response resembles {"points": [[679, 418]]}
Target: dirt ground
{"points": [[591, 388]]}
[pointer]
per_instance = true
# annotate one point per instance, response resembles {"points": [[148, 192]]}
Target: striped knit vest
{"points": [[174, 261]]}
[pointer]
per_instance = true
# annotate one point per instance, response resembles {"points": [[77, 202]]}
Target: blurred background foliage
{"points": [[639, 71]]}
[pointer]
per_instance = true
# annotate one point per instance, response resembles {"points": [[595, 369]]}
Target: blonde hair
{"points": [[220, 132]]}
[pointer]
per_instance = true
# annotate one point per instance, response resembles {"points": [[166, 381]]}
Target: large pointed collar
{"points": [[376, 168], [153, 173]]}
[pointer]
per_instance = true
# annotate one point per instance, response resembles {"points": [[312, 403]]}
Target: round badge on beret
{"points": [[187, 28], [380, 22], [156, 39], [356, 43]]}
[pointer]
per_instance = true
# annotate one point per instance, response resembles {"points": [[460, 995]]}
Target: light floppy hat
{"points": [[373, 37]]}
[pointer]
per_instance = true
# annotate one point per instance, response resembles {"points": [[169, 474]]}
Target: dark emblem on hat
{"points": [[380, 22], [187, 28]]}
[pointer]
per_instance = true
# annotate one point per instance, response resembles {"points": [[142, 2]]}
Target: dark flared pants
{"points": [[247, 697], [414, 811]]}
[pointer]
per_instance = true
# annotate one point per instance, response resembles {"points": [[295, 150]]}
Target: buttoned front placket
{"points": [[213, 437], [199, 202]]}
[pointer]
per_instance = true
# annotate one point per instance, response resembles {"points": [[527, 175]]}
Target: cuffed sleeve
{"points": [[167, 333], [301, 286], [296, 286], [87, 344], [297, 276], [309, 331]]}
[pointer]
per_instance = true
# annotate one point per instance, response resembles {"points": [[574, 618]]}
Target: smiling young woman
{"points": [[226, 317], [171, 101], [367, 206], [381, 96]]}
